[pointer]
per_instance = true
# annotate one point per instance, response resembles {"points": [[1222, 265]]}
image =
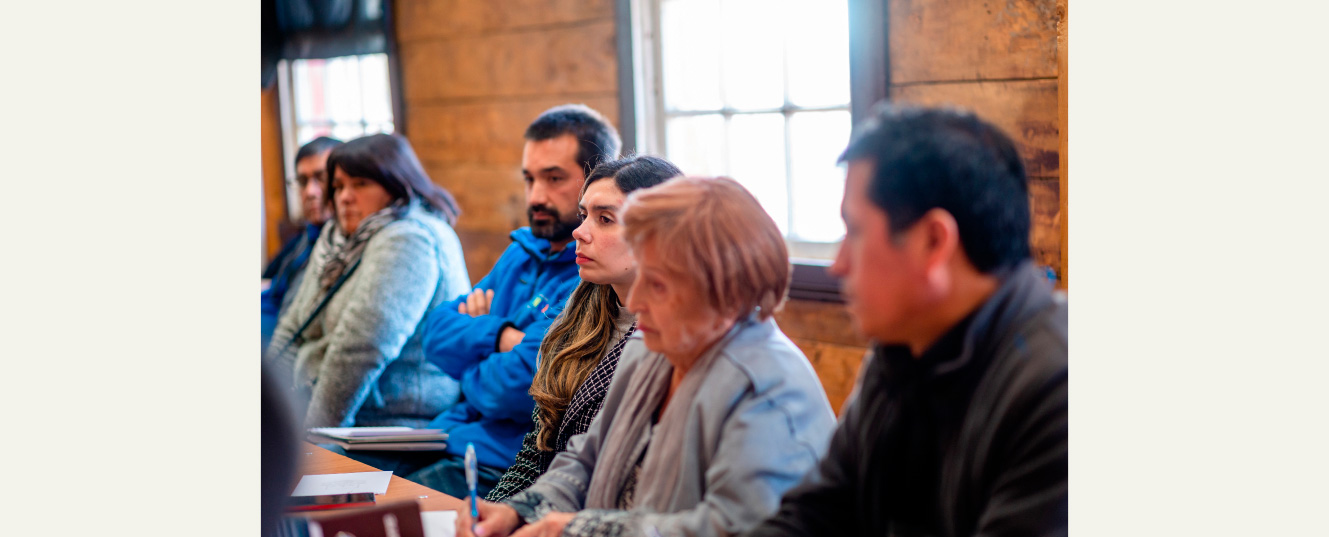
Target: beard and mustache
{"points": [[556, 228]]}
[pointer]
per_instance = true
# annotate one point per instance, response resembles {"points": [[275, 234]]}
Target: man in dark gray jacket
{"points": [[958, 426]]}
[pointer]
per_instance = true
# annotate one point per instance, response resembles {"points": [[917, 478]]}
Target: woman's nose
{"points": [[580, 235]]}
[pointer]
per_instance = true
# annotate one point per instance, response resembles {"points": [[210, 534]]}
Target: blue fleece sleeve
{"points": [[499, 386], [456, 341]]}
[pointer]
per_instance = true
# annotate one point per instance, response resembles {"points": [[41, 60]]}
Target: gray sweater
{"points": [[759, 422], [361, 362]]}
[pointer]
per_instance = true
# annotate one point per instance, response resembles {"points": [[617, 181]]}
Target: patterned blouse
{"points": [[532, 462], [532, 506]]}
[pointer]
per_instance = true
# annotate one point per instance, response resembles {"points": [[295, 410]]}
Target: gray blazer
{"points": [[760, 421], [363, 355]]}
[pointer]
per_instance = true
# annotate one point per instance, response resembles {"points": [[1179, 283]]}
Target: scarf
{"points": [[343, 251], [631, 433]]}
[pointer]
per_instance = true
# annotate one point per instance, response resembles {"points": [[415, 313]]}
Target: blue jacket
{"points": [[284, 274], [531, 286]]}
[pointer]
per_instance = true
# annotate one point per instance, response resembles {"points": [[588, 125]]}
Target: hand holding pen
{"points": [[472, 477], [483, 519], [495, 520]]}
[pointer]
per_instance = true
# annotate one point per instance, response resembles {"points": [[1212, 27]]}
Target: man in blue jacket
{"points": [[488, 339], [284, 272]]}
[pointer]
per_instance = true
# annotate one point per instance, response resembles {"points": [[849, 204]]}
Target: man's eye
{"points": [[581, 217], [606, 220]]}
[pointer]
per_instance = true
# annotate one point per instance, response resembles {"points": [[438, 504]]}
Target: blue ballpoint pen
{"points": [[470, 481]]}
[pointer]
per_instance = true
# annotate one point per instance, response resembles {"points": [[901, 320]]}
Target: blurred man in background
{"points": [[285, 271], [959, 423]]}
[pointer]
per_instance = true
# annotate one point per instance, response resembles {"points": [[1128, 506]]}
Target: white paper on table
{"points": [[320, 484], [439, 523]]}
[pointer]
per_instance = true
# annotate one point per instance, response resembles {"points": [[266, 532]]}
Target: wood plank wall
{"points": [[474, 75], [274, 174], [1001, 59], [476, 72], [1063, 98], [1005, 60], [823, 331]]}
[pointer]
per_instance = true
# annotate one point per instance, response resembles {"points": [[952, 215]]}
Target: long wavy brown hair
{"points": [[580, 336]]}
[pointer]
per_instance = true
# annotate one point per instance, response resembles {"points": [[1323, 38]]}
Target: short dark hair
{"points": [[387, 159], [315, 147], [597, 140], [928, 158], [633, 172]]}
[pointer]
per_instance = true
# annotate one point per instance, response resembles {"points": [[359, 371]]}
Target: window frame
{"points": [[641, 98], [290, 128]]}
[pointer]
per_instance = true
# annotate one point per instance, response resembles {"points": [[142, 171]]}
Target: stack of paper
{"points": [[380, 438]]}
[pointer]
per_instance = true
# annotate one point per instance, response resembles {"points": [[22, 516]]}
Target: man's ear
{"points": [[939, 239]]}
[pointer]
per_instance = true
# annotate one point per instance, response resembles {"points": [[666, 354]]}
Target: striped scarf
{"points": [[342, 251]]}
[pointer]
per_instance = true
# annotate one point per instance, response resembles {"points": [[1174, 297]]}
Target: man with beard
{"points": [[488, 339]]}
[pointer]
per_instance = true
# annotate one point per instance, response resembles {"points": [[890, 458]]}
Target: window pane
{"points": [[753, 53], [818, 33], [374, 80], [816, 140], [375, 128], [690, 38], [307, 77], [696, 144], [347, 131], [343, 89], [756, 159], [306, 133]]}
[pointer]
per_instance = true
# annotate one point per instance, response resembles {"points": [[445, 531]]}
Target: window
{"points": [[758, 90], [345, 98]]}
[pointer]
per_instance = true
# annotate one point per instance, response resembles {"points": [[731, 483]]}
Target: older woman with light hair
{"points": [[713, 413]]}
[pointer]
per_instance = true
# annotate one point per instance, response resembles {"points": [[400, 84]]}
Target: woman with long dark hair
{"points": [[580, 353], [351, 338]]}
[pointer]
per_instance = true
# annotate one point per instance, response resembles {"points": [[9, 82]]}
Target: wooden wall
{"points": [[274, 174], [474, 74], [1003, 60], [823, 331], [1006, 61]]}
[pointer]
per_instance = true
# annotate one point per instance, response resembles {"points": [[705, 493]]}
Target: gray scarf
{"points": [[630, 434], [343, 251]]}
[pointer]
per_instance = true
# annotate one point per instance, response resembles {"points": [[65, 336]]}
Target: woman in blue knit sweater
{"points": [[351, 339]]}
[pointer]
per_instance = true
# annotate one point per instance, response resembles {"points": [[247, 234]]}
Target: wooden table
{"points": [[316, 460]]}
